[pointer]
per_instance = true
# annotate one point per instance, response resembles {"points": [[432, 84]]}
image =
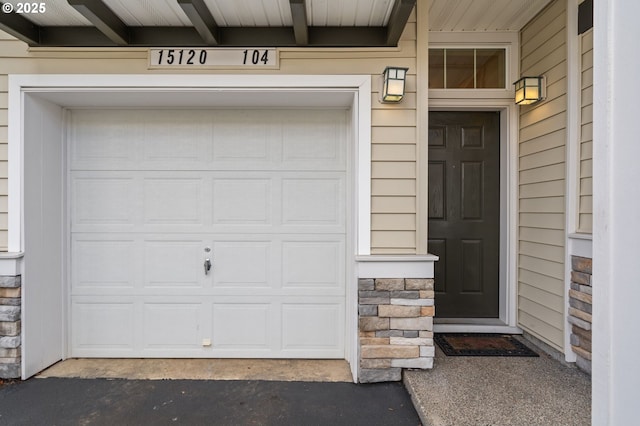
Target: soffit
{"points": [[482, 15]]}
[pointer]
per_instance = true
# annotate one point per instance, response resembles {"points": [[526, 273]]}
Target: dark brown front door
{"points": [[464, 212]]}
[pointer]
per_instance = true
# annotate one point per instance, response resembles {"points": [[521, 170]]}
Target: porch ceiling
{"points": [[482, 15], [273, 23], [209, 22]]}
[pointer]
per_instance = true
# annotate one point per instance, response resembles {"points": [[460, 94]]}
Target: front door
{"points": [[464, 212]]}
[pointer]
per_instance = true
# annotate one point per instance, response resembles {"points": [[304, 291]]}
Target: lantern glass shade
{"points": [[529, 90], [393, 84]]}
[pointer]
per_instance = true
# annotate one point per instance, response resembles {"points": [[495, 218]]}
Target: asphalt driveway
{"points": [[57, 401]]}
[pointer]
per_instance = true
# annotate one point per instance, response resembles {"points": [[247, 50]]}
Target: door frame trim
{"points": [[508, 212]]}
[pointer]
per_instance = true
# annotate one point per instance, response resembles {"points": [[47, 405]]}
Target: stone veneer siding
{"points": [[10, 350], [580, 311], [395, 327]]}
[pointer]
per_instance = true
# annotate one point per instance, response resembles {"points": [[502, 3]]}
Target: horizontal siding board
{"points": [[387, 135], [553, 105], [545, 267], [382, 204], [393, 152], [544, 126], [393, 170], [547, 315], [543, 174], [543, 189], [586, 186], [373, 66], [553, 27], [543, 282], [552, 237], [587, 77], [393, 187], [543, 63], [543, 143], [586, 168], [393, 222], [544, 158], [585, 223], [586, 204], [538, 24], [408, 101], [542, 205], [392, 250], [553, 41], [586, 132], [393, 239], [541, 297], [586, 97], [399, 117], [542, 330], [586, 150], [547, 220]]}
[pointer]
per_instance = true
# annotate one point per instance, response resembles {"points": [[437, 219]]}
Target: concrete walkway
{"points": [[500, 391]]}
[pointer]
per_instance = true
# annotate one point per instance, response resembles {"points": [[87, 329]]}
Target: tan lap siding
{"points": [[393, 126], [542, 151], [586, 134]]}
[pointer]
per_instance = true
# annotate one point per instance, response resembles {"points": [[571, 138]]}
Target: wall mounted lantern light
{"points": [[530, 90], [393, 79]]}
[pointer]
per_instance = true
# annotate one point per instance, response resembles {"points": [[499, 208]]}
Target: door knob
{"points": [[207, 266]]}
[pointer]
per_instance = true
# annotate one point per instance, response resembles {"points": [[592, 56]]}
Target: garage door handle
{"points": [[207, 266]]}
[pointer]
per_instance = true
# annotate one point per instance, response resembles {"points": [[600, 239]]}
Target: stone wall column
{"points": [[395, 327], [10, 339], [580, 311]]}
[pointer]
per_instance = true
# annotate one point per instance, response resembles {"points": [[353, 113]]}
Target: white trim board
{"points": [[61, 91]]}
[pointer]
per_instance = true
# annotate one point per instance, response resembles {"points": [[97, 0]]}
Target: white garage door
{"points": [[155, 193]]}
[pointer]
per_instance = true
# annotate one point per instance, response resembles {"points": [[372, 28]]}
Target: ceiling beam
{"points": [[104, 19], [89, 36], [398, 20], [300, 25], [202, 20], [20, 27]]}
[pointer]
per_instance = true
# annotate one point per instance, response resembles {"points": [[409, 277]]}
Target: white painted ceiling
{"points": [[227, 13], [482, 15], [444, 15]]}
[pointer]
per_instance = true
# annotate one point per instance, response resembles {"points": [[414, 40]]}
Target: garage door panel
{"points": [[243, 264], [103, 327], [313, 201], [171, 326], [315, 140], [256, 130], [174, 264], [173, 201], [177, 136], [99, 140], [103, 200], [313, 264], [242, 201], [242, 326], [312, 327], [101, 265]]}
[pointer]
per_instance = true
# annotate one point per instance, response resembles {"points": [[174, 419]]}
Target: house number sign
{"points": [[212, 58]]}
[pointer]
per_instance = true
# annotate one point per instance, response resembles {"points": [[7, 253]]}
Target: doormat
{"points": [[462, 344]]}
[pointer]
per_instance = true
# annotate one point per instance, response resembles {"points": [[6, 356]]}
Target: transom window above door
{"points": [[463, 68]]}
